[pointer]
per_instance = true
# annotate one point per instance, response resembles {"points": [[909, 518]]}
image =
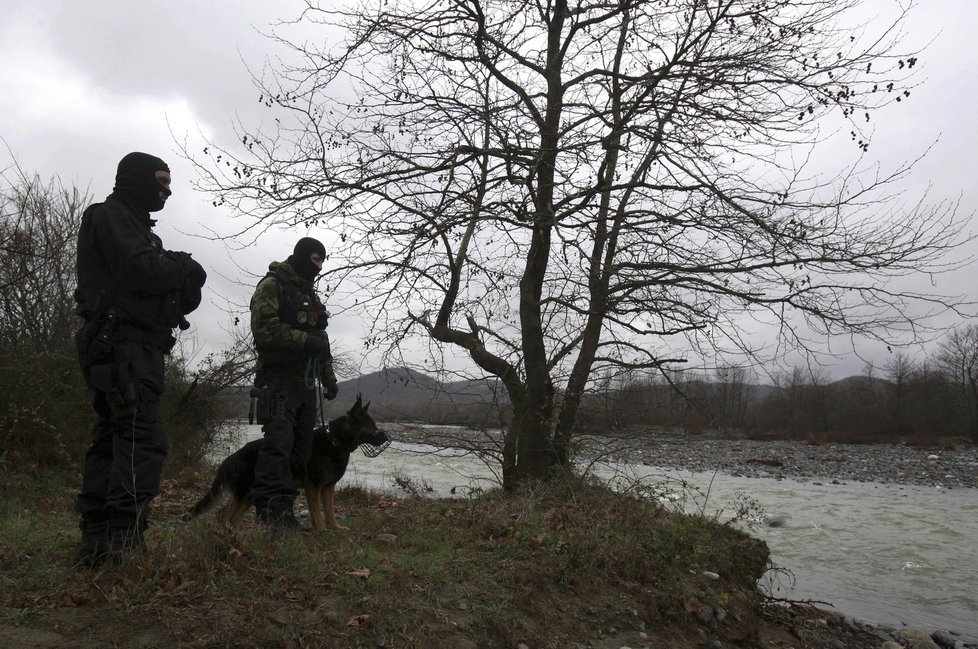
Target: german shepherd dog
{"points": [[331, 448]]}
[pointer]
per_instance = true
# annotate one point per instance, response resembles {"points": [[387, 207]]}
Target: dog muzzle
{"points": [[373, 450]]}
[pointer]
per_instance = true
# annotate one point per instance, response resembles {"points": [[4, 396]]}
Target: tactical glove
{"points": [[317, 346], [195, 272], [331, 390]]}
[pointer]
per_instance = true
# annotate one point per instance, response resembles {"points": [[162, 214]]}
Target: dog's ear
{"points": [[357, 406], [366, 406]]}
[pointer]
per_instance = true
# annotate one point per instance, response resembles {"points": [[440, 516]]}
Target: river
{"points": [[886, 554]]}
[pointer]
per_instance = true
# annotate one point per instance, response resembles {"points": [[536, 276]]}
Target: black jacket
{"points": [[121, 259]]}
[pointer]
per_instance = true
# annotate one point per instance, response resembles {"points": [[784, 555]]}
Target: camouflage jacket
{"points": [[280, 328]]}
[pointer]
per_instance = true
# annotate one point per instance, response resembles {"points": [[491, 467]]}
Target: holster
{"points": [[94, 340], [115, 380], [260, 409], [266, 404]]}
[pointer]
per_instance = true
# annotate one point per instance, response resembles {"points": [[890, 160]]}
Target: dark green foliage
{"points": [[42, 407]]}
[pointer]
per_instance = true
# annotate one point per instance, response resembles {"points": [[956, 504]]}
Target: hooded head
{"points": [[301, 259], [144, 179]]}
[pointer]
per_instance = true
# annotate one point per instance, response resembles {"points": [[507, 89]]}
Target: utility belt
{"points": [[266, 405], [283, 361], [273, 382], [96, 340], [102, 345], [163, 340]]}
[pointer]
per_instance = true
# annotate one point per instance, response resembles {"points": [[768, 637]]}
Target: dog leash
{"points": [[313, 382]]}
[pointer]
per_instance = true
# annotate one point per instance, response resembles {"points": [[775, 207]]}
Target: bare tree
{"points": [[38, 225], [42, 398], [558, 188], [931, 399], [729, 399], [957, 356], [900, 370]]}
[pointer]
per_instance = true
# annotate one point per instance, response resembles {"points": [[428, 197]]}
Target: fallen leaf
{"points": [[358, 620], [74, 600], [359, 572]]}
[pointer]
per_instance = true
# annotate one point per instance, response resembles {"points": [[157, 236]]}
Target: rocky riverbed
{"points": [[949, 468], [895, 464]]}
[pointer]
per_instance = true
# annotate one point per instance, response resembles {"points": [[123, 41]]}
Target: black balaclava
{"points": [[136, 179], [300, 259]]}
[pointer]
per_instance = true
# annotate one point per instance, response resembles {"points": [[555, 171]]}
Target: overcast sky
{"points": [[82, 83]]}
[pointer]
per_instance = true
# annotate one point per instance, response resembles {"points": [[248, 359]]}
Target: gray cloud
{"points": [[86, 82]]}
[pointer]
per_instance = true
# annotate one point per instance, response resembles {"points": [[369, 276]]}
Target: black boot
{"points": [[94, 545], [277, 514]]}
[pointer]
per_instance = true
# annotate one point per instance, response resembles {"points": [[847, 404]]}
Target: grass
{"points": [[564, 563]]}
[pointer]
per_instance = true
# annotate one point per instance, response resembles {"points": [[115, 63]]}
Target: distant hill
{"points": [[400, 394], [405, 393]]}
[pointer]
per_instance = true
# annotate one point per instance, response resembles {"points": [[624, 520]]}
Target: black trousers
{"points": [[287, 436], [122, 467]]}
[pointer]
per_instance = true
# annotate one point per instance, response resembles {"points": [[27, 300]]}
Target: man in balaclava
{"points": [[288, 322], [303, 255], [144, 181], [131, 294]]}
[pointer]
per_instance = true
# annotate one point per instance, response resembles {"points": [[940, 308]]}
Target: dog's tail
{"points": [[207, 501]]}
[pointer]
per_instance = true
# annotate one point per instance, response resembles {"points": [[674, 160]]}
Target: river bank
{"points": [[947, 468], [526, 571], [882, 530]]}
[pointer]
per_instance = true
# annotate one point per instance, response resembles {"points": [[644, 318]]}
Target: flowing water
{"points": [[886, 554]]}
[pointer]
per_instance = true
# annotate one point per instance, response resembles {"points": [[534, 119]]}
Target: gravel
{"points": [[885, 463], [778, 459]]}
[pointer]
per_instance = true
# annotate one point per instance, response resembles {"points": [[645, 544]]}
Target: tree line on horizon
{"points": [[904, 401]]}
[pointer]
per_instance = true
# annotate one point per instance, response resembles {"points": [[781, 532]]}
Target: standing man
{"points": [[288, 322], [131, 294]]}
